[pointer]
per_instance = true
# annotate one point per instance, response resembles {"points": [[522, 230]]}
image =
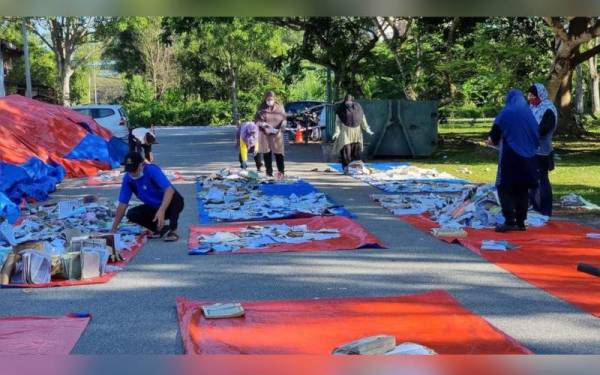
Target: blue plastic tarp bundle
{"points": [[381, 166], [93, 147], [33, 179]]}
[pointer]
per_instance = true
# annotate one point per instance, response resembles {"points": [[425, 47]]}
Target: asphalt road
{"points": [[135, 312]]}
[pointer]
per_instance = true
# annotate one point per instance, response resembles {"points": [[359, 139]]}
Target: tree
{"points": [[136, 45], [232, 51], [339, 43], [594, 82], [571, 34], [64, 35]]}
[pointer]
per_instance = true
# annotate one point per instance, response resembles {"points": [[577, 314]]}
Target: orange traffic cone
{"points": [[298, 138]]}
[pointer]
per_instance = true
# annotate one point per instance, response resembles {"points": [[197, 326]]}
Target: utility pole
{"points": [[28, 92]]}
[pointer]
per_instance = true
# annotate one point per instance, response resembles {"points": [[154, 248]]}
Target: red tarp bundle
{"points": [[434, 319], [30, 128], [352, 235], [547, 258], [40, 335], [128, 255]]}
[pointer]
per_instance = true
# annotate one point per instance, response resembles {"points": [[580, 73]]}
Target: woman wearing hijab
{"points": [[515, 131], [248, 142], [547, 117], [349, 124], [271, 120]]}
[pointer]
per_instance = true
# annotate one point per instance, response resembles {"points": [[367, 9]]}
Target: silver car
{"points": [[110, 116]]}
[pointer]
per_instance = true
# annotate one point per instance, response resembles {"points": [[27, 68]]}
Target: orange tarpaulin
{"points": [[352, 235], [546, 257], [434, 319], [127, 255], [30, 128], [40, 335]]}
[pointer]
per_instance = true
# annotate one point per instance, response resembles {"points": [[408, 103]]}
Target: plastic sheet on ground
{"points": [[380, 166], [40, 335], [316, 326], [352, 235], [115, 177], [229, 197], [545, 257]]}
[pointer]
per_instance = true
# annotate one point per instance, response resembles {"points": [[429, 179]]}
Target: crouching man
{"points": [[161, 200]]}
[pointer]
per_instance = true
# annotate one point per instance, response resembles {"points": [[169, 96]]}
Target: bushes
{"points": [[172, 108]]}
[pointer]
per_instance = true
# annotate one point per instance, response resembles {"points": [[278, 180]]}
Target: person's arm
{"points": [[124, 197], [160, 214], [548, 123], [338, 124], [121, 208], [148, 153], [495, 135], [365, 126]]}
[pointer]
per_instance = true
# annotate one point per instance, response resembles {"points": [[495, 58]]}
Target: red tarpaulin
{"points": [[128, 255], [30, 128], [352, 235], [546, 257], [434, 319], [40, 335]]}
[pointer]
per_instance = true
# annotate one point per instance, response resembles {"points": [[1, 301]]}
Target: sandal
{"points": [[160, 234], [172, 236]]}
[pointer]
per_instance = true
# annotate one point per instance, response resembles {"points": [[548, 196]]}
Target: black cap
{"points": [[150, 138], [133, 161]]}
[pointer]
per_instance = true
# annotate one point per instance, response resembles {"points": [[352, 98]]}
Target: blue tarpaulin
{"points": [[272, 189], [93, 147], [379, 166], [33, 179]]}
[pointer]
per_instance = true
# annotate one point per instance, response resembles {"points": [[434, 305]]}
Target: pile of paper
{"points": [[407, 179], [68, 239], [229, 196], [256, 237], [576, 201], [475, 206]]}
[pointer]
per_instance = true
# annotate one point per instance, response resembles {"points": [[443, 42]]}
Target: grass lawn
{"points": [[577, 171]]}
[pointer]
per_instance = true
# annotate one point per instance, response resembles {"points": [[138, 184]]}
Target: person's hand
{"points": [[369, 132], [334, 137], [489, 142], [160, 219]]}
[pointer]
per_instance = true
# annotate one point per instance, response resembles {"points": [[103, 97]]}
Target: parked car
{"points": [[309, 115], [110, 116]]}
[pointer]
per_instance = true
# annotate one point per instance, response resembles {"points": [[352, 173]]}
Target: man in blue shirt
{"points": [[161, 201]]}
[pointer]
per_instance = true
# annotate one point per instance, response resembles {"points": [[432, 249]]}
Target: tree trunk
{"points": [[234, 100], [2, 89], [594, 86], [567, 123], [65, 83], [25, 38], [449, 43], [579, 91]]}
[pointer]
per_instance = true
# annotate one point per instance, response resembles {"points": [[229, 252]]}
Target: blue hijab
{"points": [[519, 126]]}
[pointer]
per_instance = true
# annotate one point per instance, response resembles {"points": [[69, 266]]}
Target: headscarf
{"points": [[249, 134], [350, 115], [545, 104], [518, 125]]}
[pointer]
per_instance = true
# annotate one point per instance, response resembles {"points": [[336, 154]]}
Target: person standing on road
{"points": [[160, 199], [247, 140], [141, 140], [515, 131], [547, 117], [271, 120], [350, 122]]}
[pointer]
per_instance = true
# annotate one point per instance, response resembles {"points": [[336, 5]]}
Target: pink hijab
{"points": [[249, 133]]}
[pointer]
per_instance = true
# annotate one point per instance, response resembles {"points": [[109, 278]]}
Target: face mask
{"points": [[270, 103], [138, 177], [348, 104]]}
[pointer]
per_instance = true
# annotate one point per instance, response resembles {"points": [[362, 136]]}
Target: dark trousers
{"points": [[144, 215], [269, 163], [541, 197], [515, 202], [350, 153], [257, 160]]}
